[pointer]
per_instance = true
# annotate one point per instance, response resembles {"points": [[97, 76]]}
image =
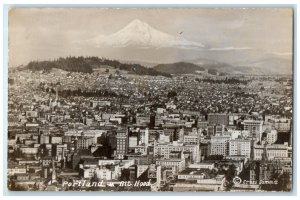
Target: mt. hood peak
{"points": [[140, 34]]}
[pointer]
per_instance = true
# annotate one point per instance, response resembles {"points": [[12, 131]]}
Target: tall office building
{"points": [[122, 143], [84, 142], [240, 147], [254, 127], [219, 145], [144, 136]]}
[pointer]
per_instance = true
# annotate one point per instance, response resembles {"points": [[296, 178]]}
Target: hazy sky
{"points": [[43, 33]]}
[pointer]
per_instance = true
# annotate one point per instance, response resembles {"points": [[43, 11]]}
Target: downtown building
{"points": [[122, 143], [240, 147], [255, 128], [84, 142], [272, 151], [219, 145], [217, 118], [165, 150]]}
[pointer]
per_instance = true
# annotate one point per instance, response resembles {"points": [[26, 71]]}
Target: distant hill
{"points": [[213, 65], [87, 64], [143, 63], [71, 64], [179, 68], [267, 66]]}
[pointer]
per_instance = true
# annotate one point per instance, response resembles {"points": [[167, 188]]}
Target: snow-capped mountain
{"points": [[140, 41], [139, 34]]}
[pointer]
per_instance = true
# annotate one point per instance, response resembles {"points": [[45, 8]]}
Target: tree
{"points": [[17, 154], [172, 94], [125, 175], [284, 182], [12, 186], [230, 174]]}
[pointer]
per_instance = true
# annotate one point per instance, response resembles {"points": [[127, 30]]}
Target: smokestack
{"points": [[45, 173]]}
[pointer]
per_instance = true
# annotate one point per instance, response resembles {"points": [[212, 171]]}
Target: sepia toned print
{"points": [[160, 99]]}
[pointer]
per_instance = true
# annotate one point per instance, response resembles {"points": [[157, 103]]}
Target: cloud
{"points": [[229, 48], [282, 53]]}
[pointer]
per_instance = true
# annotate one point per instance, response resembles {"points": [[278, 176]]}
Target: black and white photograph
{"points": [[150, 99]]}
